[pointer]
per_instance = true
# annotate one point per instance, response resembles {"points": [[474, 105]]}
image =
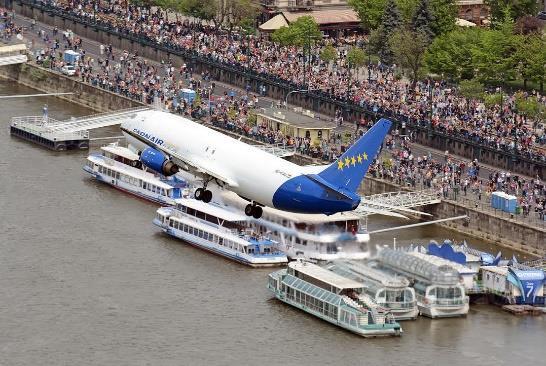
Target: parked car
{"points": [[69, 70], [542, 15]]}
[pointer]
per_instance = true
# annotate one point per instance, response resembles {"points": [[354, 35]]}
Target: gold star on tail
{"points": [[365, 156], [353, 161], [359, 158], [347, 162], [339, 165]]}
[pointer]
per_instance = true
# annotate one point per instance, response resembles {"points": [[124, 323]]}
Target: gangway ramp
{"points": [[279, 150], [13, 54], [95, 121], [393, 203]]}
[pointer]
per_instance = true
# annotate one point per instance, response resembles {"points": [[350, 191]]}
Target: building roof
{"points": [[295, 119], [322, 17], [321, 274], [278, 21]]}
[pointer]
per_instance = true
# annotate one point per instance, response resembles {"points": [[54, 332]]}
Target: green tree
{"points": [[201, 9], [494, 53], [407, 9], [302, 33], [444, 15], [471, 89], [356, 58], [409, 48], [517, 8], [450, 55], [328, 54], [369, 12], [530, 107], [390, 22], [530, 58], [242, 12], [423, 19]]}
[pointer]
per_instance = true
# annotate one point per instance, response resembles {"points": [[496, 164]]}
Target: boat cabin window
{"points": [[450, 292]]}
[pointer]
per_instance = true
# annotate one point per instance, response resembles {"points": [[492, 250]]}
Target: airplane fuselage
{"points": [[253, 173]]}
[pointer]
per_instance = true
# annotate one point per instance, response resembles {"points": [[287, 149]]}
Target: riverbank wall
{"points": [[275, 88], [482, 225], [47, 81]]}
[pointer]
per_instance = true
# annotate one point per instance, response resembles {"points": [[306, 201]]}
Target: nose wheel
{"points": [[202, 194], [253, 210]]}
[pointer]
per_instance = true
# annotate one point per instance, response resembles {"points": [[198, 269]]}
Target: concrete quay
{"points": [[501, 230]]}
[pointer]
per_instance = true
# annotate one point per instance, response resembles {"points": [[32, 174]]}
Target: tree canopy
{"points": [[369, 12], [303, 32]]}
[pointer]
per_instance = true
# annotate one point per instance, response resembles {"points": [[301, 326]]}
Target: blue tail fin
{"points": [[351, 167]]}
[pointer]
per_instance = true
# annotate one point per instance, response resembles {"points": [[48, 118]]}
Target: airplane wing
{"points": [[206, 167]]}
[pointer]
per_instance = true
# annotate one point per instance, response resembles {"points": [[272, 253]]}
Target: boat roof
{"points": [[324, 275], [211, 209], [438, 261], [230, 197], [121, 151], [126, 169], [362, 271], [498, 270]]}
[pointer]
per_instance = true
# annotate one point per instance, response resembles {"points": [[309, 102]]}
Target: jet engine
{"points": [[157, 161]]}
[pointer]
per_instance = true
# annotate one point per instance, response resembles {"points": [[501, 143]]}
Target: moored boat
{"points": [[333, 298], [120, 168], [214, 228]]}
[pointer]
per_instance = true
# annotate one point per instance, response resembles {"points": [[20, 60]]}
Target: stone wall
{"points": [[50, 82], [237, 77], [482, 225]]}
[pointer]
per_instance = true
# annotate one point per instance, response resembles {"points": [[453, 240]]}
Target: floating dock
{"points": [[37, 129], [66, 135]]}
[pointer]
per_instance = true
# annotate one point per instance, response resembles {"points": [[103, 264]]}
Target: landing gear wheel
{"points": [[257, 212], [199, 193], [249, 209], [207, 196]]}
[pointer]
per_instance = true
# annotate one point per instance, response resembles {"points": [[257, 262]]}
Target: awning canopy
{"points": [[464, 23], [278, 21], [326, 19]]}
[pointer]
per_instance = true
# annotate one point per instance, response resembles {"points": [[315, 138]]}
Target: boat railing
{"points": [[442, 302], [397, 304]]}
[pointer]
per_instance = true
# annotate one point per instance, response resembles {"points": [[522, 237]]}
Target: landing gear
{"points": [[202, 194], [253, 210]]}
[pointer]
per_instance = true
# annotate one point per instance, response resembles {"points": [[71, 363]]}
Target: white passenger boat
{"points": [[120, 168], [315, 237], [336, 299], [438, 289], [214, 228], [388, 290]]}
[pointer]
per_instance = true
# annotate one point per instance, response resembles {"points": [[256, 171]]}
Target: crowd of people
{"points": [[500, 127], [453, 179], [135, 77]]}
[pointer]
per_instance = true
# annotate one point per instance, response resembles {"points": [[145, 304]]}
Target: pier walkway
{"points": [[392, 203], [13, 54], [94, 121]]}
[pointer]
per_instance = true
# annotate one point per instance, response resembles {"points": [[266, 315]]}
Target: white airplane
{"points": [[168, 143]]}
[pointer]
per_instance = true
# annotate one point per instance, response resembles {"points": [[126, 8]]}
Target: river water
{"points": [[86, 279]]}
